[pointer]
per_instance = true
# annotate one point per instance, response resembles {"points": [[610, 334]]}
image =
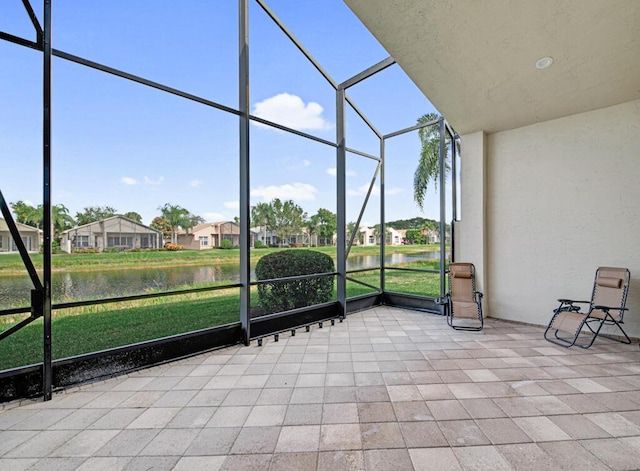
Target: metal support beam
{"points": [[34, 20], [341, 206], [454, 194], [443, 210], [15, 234], [46, 199], [383, 227], [362, 209], [363, 116], [243, 106], [297, 43], [365, 74]]}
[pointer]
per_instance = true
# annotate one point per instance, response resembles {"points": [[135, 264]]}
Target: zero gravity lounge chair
{"points": [[607, 307], [463, 302]]}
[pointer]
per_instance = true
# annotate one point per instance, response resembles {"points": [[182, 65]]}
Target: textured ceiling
{"points": [[475, 59]]}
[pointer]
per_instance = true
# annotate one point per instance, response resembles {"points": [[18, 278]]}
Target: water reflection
{"points": [[15, 290]]}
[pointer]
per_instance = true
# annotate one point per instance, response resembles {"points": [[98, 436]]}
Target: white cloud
{"points": [[232, 204], [213, 217], [129, 181], [306, 163], [333, 172], [294, 191], [289, 110], [195, 183], [149, 181], [362, 190]]}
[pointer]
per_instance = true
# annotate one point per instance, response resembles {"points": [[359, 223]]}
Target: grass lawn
{"points": [[93, 328]]}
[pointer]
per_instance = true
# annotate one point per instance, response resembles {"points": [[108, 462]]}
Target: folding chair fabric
{"points": [[463, 301], [606, 307]]}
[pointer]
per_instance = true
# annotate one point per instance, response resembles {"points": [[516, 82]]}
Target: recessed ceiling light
{"points": [[544, 62]]}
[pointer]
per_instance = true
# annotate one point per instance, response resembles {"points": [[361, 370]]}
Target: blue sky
{"points": [[134, 148]]}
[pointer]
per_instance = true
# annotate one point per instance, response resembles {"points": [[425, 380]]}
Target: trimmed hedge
{"points": [[278, 296]]}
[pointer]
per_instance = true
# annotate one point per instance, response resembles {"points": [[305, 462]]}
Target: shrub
{"points": [[85, 251], [226, 244], [280, 296], [258, 244], [112, 250], [173, 247]]}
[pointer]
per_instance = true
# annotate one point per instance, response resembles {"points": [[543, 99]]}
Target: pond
{"points": [[72, 286]]}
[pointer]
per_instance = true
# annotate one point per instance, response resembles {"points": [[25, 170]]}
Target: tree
{"points": [[94, 213], [312, 228], [60, 219], [162, 225], [34, 216], [190, 221], [262, 216], [327, 223], [27, 214], [177, 217], [428, 169], [133, 216], [288, 219], [414, 236]]}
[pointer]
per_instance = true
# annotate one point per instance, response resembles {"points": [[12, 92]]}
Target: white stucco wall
{"points": [[471, 230], [561, 198]]}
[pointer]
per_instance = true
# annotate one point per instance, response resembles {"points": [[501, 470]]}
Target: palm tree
{"points": [[60, 219], [177, 217], [312, 229], [428, 169], [262, 215]]}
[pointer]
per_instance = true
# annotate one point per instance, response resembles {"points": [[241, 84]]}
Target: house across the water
{"points": [[117, 232]]}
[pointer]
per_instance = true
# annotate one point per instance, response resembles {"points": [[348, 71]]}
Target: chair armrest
{"points": [[571, 301]]}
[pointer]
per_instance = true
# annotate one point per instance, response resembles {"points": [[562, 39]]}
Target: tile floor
{"points": [[386, 389]]}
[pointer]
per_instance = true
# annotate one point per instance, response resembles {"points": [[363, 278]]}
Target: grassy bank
{"points": [[93, 328], [99, 327]]}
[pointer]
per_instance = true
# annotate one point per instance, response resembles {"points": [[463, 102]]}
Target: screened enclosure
{"points": [[133, 125]]}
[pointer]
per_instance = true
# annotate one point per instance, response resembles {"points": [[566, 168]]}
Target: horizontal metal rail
{"points": [[293, 131], [142, 81], [293, 278], [15, 310], [362, 270], [21, 41], [412, 128], [92, 302], [421, 270]]}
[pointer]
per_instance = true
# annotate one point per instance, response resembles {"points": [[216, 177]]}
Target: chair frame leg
{"points": [[450, 317], [564, 342]]}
